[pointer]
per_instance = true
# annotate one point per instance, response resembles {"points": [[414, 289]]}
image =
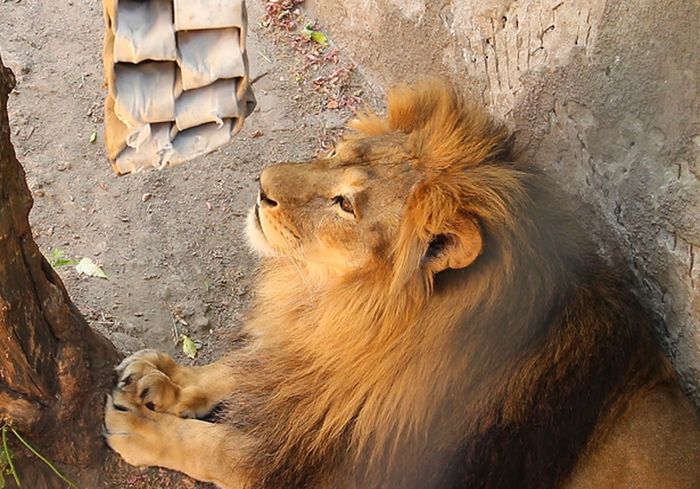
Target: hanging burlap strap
{"points": [[177, 79]]}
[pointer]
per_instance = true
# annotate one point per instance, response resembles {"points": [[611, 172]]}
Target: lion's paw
{"points": [[134, 432], [154, 380]]}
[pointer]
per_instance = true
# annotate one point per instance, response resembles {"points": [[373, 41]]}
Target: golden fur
{"points": [[426, 316]]}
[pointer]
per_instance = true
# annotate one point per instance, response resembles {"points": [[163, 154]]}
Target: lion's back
{"points": [[654, 444]]}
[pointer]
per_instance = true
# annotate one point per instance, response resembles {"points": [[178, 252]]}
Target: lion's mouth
{"points": [[257, 220], [256, 209], [256, 235]]}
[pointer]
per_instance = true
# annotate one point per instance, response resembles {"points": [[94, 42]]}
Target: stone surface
{"points": [[603, 96]]}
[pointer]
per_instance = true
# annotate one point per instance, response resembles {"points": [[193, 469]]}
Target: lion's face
{"points": [[339, 212], [408, 194]]}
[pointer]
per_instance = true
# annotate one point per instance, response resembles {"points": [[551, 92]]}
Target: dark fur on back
{"points": [[594, 351]]}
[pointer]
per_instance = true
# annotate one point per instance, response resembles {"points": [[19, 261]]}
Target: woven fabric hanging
{"points": [[177, 79]]}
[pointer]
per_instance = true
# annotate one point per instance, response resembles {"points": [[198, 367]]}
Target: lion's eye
{"points": [[344, 204]]}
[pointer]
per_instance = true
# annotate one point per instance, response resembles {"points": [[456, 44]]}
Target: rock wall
{"points": [[604, 96]]}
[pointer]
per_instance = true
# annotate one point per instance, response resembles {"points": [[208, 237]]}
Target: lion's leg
{"points": [[205, 451], [156, 381]]}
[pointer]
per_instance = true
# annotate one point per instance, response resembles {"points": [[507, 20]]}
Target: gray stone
{"points": [[604, 97]]}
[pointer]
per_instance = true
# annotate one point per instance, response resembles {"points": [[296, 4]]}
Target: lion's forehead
{"points": [[387, 173], [371, 149]]}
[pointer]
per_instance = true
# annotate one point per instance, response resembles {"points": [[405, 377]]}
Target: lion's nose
{"points": [[268, 184], [274, 185], [264, 200]]}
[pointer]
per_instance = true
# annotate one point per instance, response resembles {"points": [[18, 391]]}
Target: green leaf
{"points": [[316, 36], [189, 347], [320, 38], [88, 267], [58, 259], [93, 137]]}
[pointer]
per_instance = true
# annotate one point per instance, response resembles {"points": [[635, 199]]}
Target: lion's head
{"points": [[405, 192]]}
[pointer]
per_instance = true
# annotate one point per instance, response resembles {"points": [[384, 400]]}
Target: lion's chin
{"points": [[256, 237]]}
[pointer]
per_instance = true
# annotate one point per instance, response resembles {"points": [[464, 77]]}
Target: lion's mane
{"points": [[493, 376]]}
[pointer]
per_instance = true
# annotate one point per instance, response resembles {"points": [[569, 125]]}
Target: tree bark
{"points": [[54, 369]]}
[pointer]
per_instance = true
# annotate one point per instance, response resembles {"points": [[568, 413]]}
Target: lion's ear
{"points": [[456, 247]]}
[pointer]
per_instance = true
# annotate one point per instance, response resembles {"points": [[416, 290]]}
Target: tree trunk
{"points": [[54, 369]]}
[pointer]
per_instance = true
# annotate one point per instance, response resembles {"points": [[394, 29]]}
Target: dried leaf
{"points": [[88, 267], [93, 137], [189, 347]]}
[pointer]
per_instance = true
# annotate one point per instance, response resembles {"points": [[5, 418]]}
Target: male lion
{"points": [[426, 317]]}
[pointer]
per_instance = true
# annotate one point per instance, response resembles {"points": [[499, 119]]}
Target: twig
{"points": [[176, 333], [43, 459], [8, 456], [264, 57], [265, 73]]}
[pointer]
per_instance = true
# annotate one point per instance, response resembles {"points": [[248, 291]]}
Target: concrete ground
{"points": [[170, 242]]}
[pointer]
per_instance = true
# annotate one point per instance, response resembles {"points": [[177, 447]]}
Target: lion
{"points": [[427, 315]]}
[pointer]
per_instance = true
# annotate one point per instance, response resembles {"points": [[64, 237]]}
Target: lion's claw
{"points": [[153, 380]]}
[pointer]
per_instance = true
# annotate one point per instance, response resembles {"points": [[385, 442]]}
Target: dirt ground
{"points": [[170, 242]]}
